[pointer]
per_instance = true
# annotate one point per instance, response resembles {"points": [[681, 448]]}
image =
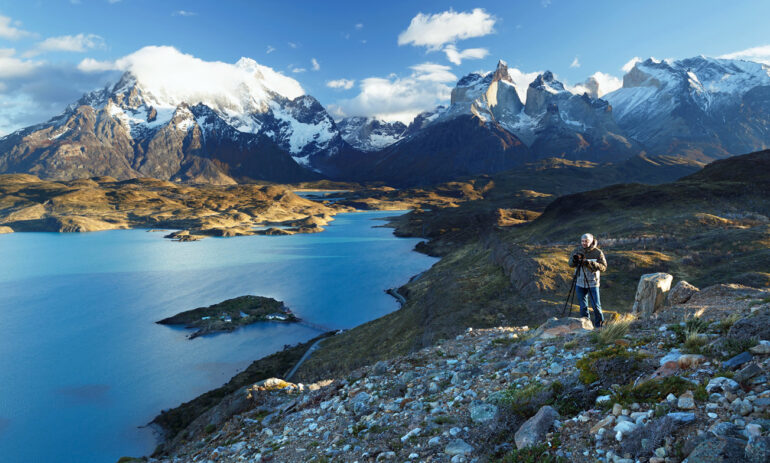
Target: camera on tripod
{"points": [[578, 259]]}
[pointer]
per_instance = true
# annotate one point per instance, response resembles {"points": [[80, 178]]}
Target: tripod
{"points": [[570, 301]]}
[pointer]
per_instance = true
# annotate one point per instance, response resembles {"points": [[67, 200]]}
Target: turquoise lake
{"points": [[82, 362]]}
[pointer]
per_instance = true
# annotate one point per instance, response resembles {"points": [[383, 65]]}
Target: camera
{"points": [[578, 258]]}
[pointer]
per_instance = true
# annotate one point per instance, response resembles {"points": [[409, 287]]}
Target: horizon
{"points": [[390, 62]]}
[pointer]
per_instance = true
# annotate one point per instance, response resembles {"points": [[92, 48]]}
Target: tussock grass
{"points": [[727, 323], [613, 330]]}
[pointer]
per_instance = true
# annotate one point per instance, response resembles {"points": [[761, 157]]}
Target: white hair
{"points": [[588, 237]]}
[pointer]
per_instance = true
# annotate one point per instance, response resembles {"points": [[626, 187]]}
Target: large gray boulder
{"points": [[718, 450], [533, 431], [680, 293], [651, 293]]}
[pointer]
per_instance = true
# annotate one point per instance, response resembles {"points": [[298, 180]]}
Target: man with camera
{"points": [[589, 262]]}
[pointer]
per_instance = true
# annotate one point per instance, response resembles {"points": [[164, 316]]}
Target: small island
{"points": [[231, 314]]}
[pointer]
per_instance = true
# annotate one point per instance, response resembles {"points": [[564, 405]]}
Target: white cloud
{"points": [[359, 26], [630, 64], [521, 81], [575, 63], [270, 49], [400, 98], [12, 67], [184, 13], [433, 72], [455, 56], [316, 66], [759, 54], [597, 85], [113, 1], [176, 76], [293, 45], [347, 84], [68, 43], [92, 65], [435, 30], [8, 31], [298, 70]]}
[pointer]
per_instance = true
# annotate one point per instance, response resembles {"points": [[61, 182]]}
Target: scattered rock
{"points": [[482, 412], [763, 348], [747, 373], [534, 429], [722, 384], [686, 401], [738, 360], [555, 327], [458, 447], [718, 449], [758, 450]]}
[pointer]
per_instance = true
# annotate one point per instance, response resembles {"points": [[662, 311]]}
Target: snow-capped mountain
{"points": [[244, 121], [370, 134], [172, 127], [543, 114], [702, 106]]}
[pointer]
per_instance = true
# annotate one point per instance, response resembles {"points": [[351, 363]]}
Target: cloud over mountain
{"points": [[400, 98], [435, 30]]}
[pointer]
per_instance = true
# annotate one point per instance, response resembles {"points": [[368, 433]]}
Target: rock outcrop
{"points": [[651, 293]]}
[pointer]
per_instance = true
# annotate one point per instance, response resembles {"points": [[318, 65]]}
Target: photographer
{"points": [[590, 262]]}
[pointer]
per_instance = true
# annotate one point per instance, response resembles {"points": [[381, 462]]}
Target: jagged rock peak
{"points": [[501, 73], [547, 81]]}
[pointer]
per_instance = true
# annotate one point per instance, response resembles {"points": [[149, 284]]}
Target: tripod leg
{"points": [[571, 293]]}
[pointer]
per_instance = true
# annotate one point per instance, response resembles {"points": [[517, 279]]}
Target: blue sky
{"points": [[356, 44]]}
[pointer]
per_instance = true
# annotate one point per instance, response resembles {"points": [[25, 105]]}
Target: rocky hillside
{"points": [[514, 272], [688, 384]]}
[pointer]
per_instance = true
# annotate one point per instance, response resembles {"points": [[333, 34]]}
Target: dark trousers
{"points": [[583, 298]]}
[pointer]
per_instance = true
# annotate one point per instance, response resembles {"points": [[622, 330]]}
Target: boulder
{"points": [[756, 326], [738, 360], [680, 293], [482, 412], [533, 431], [555, 327], [650, 293], [758, 449], [763, 348], [4, 229], [458, 447], [718, 450], [721, 383], [745, 374]]}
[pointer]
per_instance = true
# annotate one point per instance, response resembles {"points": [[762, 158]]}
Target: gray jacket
{"points": [[594, 264]]}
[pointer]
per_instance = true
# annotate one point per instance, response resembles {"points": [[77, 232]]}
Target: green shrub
{"points": [[656, 390], [541, 453], [735, 346], [210, 428], [592, 366]]}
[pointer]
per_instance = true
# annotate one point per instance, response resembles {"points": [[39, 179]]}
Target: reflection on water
{"points": [[83, 362]]}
